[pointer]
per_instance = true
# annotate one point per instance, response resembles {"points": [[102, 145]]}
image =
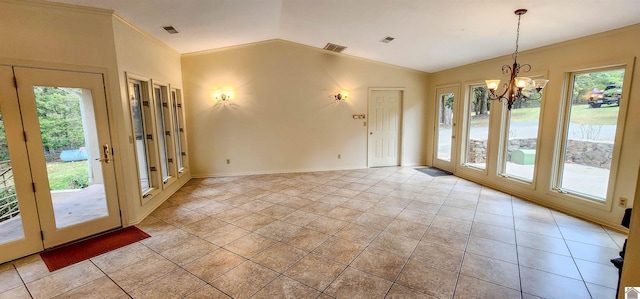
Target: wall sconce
{"points": [[340, 97], [222, 97]]}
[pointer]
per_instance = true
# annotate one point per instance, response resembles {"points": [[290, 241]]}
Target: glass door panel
{"points": [[445, 125], [69, 137], [444, 144], [10, 220]]}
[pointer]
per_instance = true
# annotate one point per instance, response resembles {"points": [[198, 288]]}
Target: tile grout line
{"points": [[107, 275], [464, 257], [571, 254], [21, 279], [310, 252], [517, 251], [455, 287], [412, 251], [343, 270], [206, 282]]}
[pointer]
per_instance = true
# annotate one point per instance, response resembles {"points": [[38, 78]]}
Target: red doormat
{"points": [[78, 252]]}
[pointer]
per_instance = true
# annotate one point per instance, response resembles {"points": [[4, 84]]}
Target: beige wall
{"points": [[282, 117], [556, 61], [141, 55], [65, 37], [49, 35], [630, 277], [56, 35]]}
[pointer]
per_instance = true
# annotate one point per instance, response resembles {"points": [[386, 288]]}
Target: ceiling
{"points": [[430, 35]]}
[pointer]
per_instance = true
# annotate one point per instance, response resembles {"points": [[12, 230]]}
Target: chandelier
{"points": [[518, 88]]}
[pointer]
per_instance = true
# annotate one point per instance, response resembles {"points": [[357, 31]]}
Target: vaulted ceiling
{"points": [[430, 35]]}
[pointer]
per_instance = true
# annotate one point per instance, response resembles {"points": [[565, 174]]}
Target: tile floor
{"points": [[372, 233]]}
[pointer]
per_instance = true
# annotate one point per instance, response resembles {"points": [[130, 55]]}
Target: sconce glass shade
{"points": [[492, 84]]}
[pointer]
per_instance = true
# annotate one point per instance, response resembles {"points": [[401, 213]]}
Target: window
{"points": [[177, 128], [520, 139], [477, 127], [141, 121], [590, 124], [163, 126]]}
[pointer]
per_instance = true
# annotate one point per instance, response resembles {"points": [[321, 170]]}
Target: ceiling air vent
{"points": [[387, 39], [170, 29], [334, 48]]}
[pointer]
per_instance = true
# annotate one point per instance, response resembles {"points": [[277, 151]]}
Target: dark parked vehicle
{"points": [[609, 96]]}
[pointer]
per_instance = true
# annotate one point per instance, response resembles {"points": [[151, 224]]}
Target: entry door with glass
{"points": [[445, 141], [66, 134]]}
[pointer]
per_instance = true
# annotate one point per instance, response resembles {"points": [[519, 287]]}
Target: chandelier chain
{"points": [[515, 54]]}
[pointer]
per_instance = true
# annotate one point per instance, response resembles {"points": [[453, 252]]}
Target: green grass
{"points": [[68, 175], [580, 114], [605, 115], [525, 114]]}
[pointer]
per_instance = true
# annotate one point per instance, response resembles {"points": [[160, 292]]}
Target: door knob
{"points": [[105, 154], [370, 133]]}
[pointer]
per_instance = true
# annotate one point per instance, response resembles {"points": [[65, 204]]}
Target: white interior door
{"points": [[385, 117], [445, 129], [64, 126]]}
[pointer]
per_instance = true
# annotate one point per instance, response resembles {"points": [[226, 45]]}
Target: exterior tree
{"points": [[585, 83], [446, 110], [480, 100], [60, 120]]}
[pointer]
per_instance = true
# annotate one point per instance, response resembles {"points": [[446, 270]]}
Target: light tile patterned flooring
{"points": [[372, 233]]}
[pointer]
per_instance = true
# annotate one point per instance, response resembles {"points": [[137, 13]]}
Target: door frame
{"points": [[400, 125], [32, 241], [33, 236], [451, 165], [115, 115], [28, 77]]}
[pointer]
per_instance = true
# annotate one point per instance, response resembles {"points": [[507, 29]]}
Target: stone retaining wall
{"points": [[590, 153], [579, 151]]}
